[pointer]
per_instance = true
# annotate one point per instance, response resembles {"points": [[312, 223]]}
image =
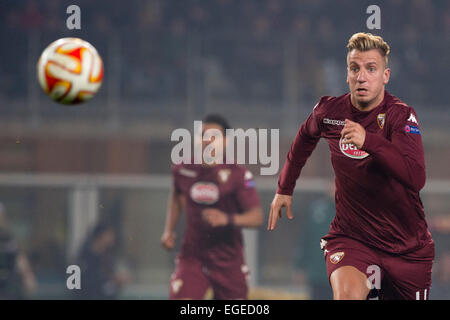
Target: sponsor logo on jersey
{"points": [[380, 120], [412, 129], [204, 193], [334, 122], [223, 175], [412, 118], [188, 173], [323, 243], [351, 151], [337, 257]]}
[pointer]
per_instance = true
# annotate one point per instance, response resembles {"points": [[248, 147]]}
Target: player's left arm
{"points": [[252, 218], [402, 156], [248, 199]]}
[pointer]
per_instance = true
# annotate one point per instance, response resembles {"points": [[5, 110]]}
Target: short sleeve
{"points": [[175, 185], [246, 193]]}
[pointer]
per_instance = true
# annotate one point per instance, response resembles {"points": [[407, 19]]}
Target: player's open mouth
{"points": [[361, 90]]}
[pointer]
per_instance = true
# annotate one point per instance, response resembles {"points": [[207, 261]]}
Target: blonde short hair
{"points": [[362, 41]]}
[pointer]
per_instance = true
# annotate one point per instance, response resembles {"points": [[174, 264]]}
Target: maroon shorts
{"points": [[390, 276], [192, 278]]}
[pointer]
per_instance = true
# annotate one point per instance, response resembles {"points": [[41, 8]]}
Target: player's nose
{"points": [[361, 76]]}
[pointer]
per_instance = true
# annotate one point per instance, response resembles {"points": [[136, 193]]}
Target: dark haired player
{"points": [[378, 160], [219, 200]]}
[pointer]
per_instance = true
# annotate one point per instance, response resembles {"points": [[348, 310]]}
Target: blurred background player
{"points": [[379, 164], [17, 280], [219, 200], [99, 263]]}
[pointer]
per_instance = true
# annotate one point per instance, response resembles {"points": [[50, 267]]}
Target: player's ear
{"points": [[386, 75]]}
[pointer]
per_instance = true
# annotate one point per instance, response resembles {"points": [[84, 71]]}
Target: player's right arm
{"points": [[303, 145], [174, 209], [278, 202]]}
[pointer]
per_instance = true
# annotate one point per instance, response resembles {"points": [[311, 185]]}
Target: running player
{"points": [[376, 151], [219, 200]]}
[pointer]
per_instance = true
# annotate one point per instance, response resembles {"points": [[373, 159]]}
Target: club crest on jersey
{"points": [[204, 193], [351, 151], [337, 257], [380, 120], [223, 175]]}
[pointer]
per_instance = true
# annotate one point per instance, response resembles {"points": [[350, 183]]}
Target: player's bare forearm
{"points": [[252, 218], [174, 208], [248, 219]]}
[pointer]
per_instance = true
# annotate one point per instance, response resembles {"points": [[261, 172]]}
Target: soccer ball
{"points": [[70, 71]]}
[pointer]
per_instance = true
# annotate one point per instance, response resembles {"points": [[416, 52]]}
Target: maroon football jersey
{"points": [[227, 187], [377, 187]]}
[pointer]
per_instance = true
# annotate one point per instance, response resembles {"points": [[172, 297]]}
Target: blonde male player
{"points": [[378, 160]]}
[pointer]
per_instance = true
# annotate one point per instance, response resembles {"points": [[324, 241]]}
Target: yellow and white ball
{"points": [[70, 71]]}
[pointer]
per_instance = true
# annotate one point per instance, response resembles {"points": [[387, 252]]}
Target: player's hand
{"points": [[215, 217], [168, 240], [278, 202], [353, 133]]}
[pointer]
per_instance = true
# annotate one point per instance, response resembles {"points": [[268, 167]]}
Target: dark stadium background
{"points": [[260, 63]]}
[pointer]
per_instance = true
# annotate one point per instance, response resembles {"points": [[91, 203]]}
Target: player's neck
{"points": [[370, 105], [211, 163], [206, 165]]}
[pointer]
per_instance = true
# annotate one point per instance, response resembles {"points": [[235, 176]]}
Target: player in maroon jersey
{"points": [[378, 159], [219, 200]]}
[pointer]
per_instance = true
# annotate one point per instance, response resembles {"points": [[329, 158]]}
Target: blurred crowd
{"points": [[257, 16], [240, 49]]}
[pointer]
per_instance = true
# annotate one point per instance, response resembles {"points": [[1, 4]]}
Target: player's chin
{"points": [[362, 98]]}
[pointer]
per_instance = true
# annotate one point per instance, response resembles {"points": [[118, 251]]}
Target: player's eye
{"points": [[372, 69]]}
